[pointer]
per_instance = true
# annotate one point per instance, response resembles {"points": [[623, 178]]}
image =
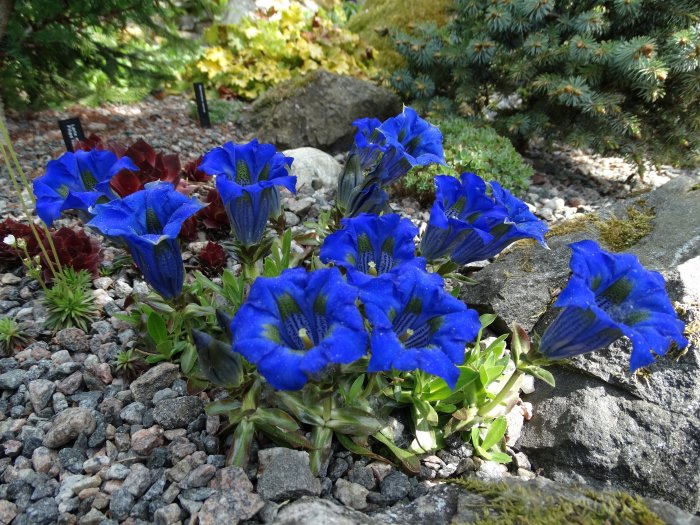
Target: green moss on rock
{"points": [[619, 234], [528, 504]]}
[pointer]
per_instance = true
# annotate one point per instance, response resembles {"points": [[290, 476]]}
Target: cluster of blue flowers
{"points": [[376, 300]]}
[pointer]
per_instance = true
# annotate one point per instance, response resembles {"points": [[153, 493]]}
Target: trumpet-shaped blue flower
{"points": [[608, 296], [461, 208], [293, 326], [149, 222], [382, 153], [247, 177], [519, 223], [417, 325], [370, 245], [76, 181]]}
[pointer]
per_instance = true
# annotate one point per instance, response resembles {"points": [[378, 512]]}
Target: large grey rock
{"points": [[318, 111], [603, 424], [586, 429], [314, 169], [285, 474]]}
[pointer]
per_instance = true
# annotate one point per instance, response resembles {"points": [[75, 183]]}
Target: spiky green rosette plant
{"points": [[333, 340], [617, 76]]}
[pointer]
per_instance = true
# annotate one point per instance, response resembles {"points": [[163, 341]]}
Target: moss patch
{"points": [[620, 234], [510, 504], [578, 223]]}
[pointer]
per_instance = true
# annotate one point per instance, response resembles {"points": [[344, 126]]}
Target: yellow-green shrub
{"points": [[375, 17], [260, 52]]}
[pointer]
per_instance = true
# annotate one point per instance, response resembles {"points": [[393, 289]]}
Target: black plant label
{"points": [[202, 107], [72, 130]]}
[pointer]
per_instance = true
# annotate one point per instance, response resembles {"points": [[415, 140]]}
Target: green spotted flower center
{"points": [[612, 300]]}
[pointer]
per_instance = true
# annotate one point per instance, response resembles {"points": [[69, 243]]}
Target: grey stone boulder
{"points": [[318, 111], [68, 425], [602, 424], [314, 169]]}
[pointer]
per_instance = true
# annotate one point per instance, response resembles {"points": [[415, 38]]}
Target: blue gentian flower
{"points": [[416, 324], [461, 208], [76, 181], [247, 177], [382, 153], [608, 296], [519, 223], [149, 222], [293, 326], [370, 245]]}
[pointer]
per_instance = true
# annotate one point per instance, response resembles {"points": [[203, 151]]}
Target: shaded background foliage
{"points": [[617, 76], [111, 49]]}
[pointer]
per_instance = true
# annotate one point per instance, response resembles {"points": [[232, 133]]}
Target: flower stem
{"points": [[505, 391]]}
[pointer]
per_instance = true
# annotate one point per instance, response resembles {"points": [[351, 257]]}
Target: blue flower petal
{"points": [[608, 296]]}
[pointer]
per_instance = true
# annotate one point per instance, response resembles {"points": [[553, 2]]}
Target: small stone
{"points": [[362, 475], [167, 515], [8, 511], [300, 206], [12, 379], [10, 278], [138, 480], [120, 504], [122, 288], [166, 393], [338, 468], [395, 486], [199, 477], [117, 471], [95, 464], [103, 282], [145, 440], [178, 412], [68, 425], [40, 392], [285, 474], [526, 474], [72, 459], [70, 384], [230, 507], [351, 494], [12, 447], [155, 379], [42, 512], [93, 517], [133, 413], [491, 471], [43, 459], [73, 339]]}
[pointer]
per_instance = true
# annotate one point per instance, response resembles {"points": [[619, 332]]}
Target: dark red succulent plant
{"points": [[212, 259], [214, 215], [90, 143], [152, 166], [12, 255], [188, 232], [192, 172], [75, 250]]}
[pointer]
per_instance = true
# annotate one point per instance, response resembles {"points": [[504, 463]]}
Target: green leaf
{"points": [[291, 438], [155, 325], [497, 429], [188, 359], [355, 388], [541, 373], [409, 460], [222, 406], [487, 319], [276, 417], [355, 421], [353, 447], [500, 457], [195, 310]]}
